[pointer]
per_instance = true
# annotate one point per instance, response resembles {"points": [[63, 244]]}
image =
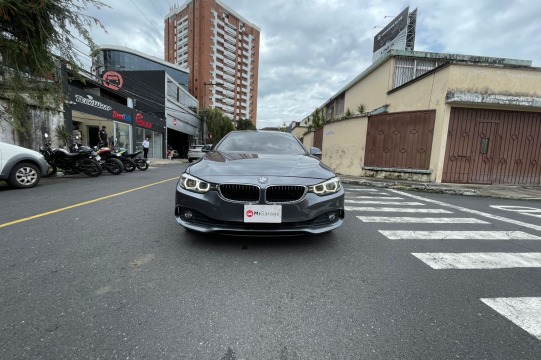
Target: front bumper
{"points": [[210, 213]]}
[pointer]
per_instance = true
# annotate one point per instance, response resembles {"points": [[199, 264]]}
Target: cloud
{"points": [[310, 49]]}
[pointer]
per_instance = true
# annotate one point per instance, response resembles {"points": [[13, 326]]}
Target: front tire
{"points": [[114, 166], [129, 164], [141, 164], [24, 176]]}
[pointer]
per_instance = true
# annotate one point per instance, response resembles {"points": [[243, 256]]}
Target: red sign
{"points": [[175, 122], [249, 213], [112, 80], [141, 122]]}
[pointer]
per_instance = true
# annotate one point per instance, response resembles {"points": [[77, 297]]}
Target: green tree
{"points": [[348, 113], [245, 124], [217, 124], [317, 119], [33, 34]]}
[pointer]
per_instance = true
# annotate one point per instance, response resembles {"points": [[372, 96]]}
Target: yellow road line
{"points": [[82, 204]]}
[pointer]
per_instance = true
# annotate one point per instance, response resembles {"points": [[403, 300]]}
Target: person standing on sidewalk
{"points": [[102, 137], [146, 145]]}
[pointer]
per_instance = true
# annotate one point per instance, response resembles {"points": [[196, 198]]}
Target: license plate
{"points": [[263, 213], [98, 157]]}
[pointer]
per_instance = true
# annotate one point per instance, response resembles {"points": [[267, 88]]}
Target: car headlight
{"points": [[194, 184], [327, 187]]}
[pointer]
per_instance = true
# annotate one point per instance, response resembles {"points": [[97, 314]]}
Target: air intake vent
{"points": [[280, 194], [235, 192]]}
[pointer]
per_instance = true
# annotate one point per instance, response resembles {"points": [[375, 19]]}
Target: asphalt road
{"points": [[98, 268]]}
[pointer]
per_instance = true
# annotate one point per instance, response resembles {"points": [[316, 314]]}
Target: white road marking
{"points": [[375, 197], [420, 220], [458, 235], [525, 312], [480, 260], [400, 210], [520, 209], [382, 202], [536, 215], [479, 213], [363, 190]]}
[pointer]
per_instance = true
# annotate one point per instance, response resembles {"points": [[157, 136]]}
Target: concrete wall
{"points": [[344, 143], [308, 140], [44, 121], [371, 90], [490, 80]]}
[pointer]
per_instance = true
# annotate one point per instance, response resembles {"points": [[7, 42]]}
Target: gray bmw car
{"points": [[259, 182]]}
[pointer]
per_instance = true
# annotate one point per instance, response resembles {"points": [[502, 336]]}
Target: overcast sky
{"points": [[310, 49]]}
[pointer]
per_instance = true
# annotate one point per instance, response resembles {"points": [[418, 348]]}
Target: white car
{"points": [[198, 151], [21, 167]]}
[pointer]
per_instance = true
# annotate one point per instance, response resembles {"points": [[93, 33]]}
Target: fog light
{"points": [[187, 214], [332, 217]]}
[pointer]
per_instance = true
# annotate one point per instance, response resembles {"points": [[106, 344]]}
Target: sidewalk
{"points": [[493, 191]]}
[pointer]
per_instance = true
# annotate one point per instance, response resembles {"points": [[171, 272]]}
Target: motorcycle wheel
{"points": [[114, 166], [91, 167], [141, 164], [129, 164]]}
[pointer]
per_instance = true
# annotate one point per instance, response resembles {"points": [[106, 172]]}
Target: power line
{"points": [[150, 22]]}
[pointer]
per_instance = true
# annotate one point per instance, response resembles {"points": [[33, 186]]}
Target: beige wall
{"points": [[299, 131], [343, 145], [495, 80], [371, 90], [308, 140]]}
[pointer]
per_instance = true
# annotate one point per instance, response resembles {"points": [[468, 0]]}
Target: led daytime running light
{"points": [[191, 183]]}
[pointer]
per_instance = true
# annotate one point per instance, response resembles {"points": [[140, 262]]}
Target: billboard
{"points": [[394, 35]]}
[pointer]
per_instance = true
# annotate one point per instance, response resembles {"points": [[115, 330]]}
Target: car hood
{"points": [[240, 164], [15, 149]]}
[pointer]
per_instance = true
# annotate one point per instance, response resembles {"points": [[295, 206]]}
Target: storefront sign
{"points": [[139, 120], [124, 117], [89, 100]]}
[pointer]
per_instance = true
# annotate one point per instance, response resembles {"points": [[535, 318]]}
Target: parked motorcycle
{"points": [[109, 160], [70, 162], [140, 162]]}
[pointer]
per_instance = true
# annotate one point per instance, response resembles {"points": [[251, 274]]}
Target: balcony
{"points": [[230, 31]]}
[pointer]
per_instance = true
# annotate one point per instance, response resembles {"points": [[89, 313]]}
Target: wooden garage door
{"points": [[493, 147]]}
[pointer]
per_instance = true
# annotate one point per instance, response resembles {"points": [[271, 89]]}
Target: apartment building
{"points": [[220, 49]]}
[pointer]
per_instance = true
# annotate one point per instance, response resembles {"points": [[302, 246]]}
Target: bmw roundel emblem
{"points": [[262, 179]]}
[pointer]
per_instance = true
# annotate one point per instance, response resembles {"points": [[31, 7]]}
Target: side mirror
{"points": [[314, 151]]}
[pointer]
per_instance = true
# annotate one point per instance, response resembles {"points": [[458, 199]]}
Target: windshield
{"points": [[261, 142]]}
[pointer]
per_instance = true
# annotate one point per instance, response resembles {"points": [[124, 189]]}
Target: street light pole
{"points": [[205, 113]]}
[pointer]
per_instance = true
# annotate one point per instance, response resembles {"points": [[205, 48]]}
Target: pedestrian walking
{"points": [[102, 136], [146, 145]]}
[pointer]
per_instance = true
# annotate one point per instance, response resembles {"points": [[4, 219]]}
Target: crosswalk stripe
{"points": [[471, 211], [420, 220], [458, 235], [525, 312], [405, 203], [375, 197], [400, 210], [480, 260]]}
